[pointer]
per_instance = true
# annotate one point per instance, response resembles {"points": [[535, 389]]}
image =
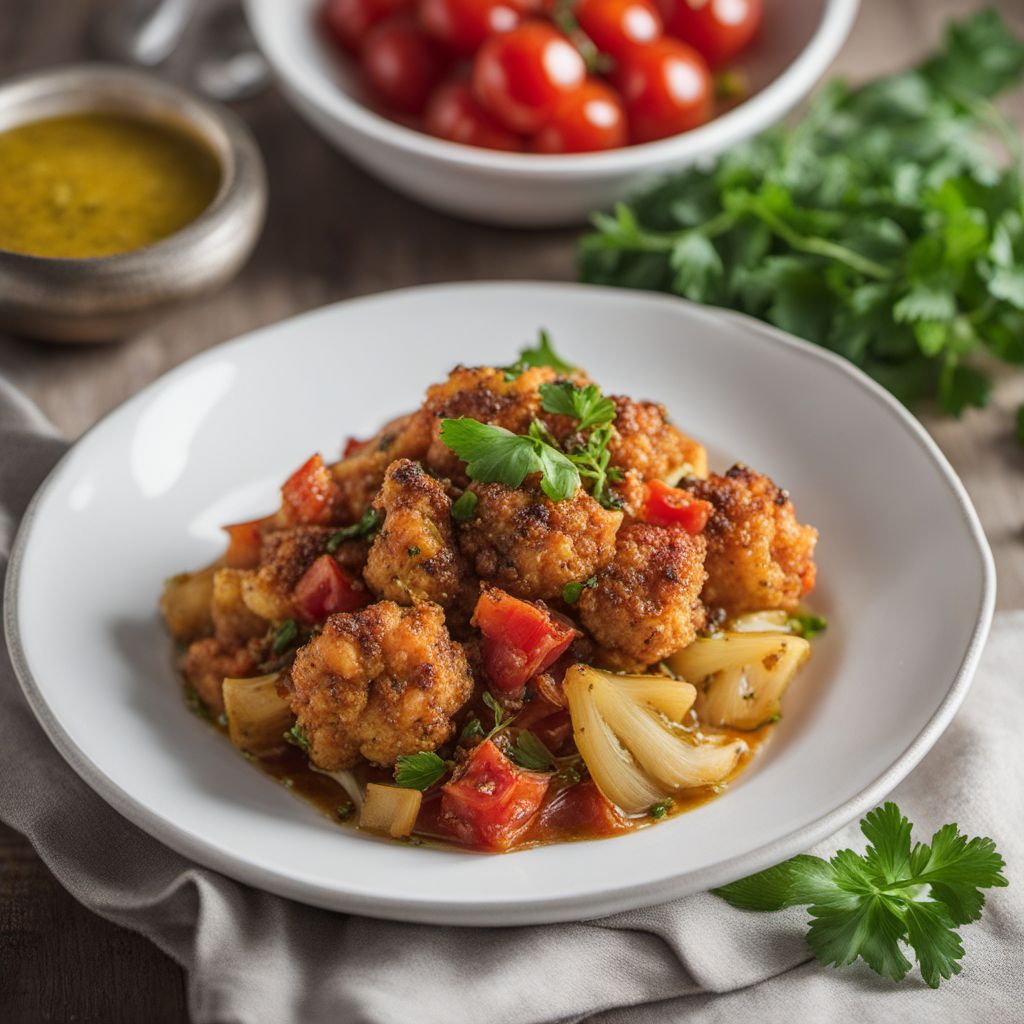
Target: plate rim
{"points": [[555, 909]]}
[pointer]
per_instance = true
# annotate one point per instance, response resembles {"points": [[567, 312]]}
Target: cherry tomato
{"points": [[672, 506], [590, 118], [666, 87], [463, 25], [325, 588], [493, 801], [309, 493], [402, 64], [348, 21], [520, 638], [454, 114], [244, 543], [521, 76], [719, 30], [616, 26]]}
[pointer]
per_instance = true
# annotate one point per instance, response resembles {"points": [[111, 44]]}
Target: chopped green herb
{"points": [[345, 811], [882, 225], [501, 720], [413, 551], [542, 354], [420, 771], [587, 405], [297, 737], [571, 592], [284, 639], [367, 526], [807, 626], [471, 731], [530, 752], [660, 809], [894, 895], [465, 506]]}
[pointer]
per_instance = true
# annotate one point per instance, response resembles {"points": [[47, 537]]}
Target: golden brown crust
{"points": [[531, 546], [759, 555], [646, 441], [207, 663], [646, 604], [414, 557], [360, 475], [379, 683]]}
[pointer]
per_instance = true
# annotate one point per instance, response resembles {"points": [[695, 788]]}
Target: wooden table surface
{"points": [[332, 233]]}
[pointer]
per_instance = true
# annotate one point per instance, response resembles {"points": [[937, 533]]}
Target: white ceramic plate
{"points": [[906, 580], [798, 40]]}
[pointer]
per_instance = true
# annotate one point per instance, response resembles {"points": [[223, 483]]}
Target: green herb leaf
{"points": [[660, 809], [587, 405], [571, 592], [806, 625], [297, 737], [284, 639], [542, 354], [530, 752], [367, 526], [345, 811], [471, 731], [419, 771], [464, 507], [896, 895]]}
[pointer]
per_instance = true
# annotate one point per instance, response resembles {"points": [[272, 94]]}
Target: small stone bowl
{"points": [[109, 297]]}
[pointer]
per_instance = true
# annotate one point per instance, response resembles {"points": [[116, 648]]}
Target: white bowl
{"points": [[906, 581], [799, 40]]}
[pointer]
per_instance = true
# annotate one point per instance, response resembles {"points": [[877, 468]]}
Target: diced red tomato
{"points": [[244, 542], [520, 638], [672, 506], [352, 445], [718, 29], [325, 588], [309, 493], [493, 801]]}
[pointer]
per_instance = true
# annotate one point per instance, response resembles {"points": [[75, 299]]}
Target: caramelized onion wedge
{"points": [[258, 715], [630, 750], [774, 620], [740, 677], [390, 809]]}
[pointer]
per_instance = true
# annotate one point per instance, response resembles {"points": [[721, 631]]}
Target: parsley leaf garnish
{"points": [[571, 591], [894, 897], [882, 225], [660, 809], [287, 634], [530, 752], [419, 771], [496, 455], [472, 730], [367, 526], [297, 737], [542, 354], [806, 625], [587, 404], [464, 506]]}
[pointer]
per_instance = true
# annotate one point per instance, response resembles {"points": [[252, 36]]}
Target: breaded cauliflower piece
{"points": [[414, 557], [481, 393], [532, 546], [646, 604], [208, 661], [647, 442], [379, 683], [284, 557], [360, 475], [759, 555]]}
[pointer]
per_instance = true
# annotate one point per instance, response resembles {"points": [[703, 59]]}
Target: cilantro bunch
{"points": [[884, 225], [898, 896]]}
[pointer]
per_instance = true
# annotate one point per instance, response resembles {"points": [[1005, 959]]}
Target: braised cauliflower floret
{"points": [[481, 393], [646, 604], [414, 557], [532, 546], [646, 441], [759, 555], [208, 662], [285, 556], [360, 475], [379, 683]]}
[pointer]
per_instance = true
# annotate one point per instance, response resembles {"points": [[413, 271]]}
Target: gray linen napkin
{"points": [[254, 958]]}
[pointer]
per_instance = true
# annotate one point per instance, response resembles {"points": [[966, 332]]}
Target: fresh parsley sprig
{"points": [[530, 752], [421, 770], [297, 737], [542, 354], [880, 226], [896, 895]]}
